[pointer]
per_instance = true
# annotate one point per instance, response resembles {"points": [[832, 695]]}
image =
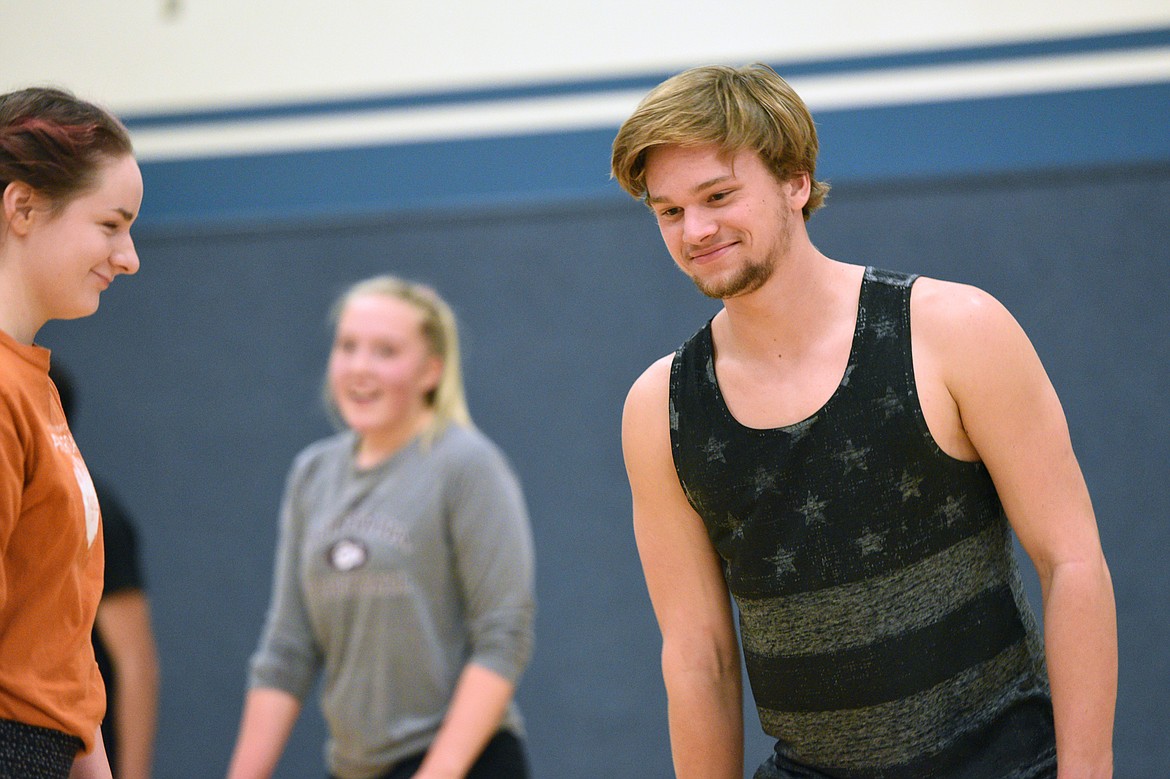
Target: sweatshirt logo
{"points": [[347, 554]]}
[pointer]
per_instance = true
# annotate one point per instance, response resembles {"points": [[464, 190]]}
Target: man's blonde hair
{"points": [[447, 400], [739, 109]]}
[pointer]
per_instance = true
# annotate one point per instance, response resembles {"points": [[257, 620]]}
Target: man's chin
{"points": [[746, 281]]}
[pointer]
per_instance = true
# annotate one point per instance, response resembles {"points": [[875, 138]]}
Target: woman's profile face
{"points": [[74, 252], [381, 368]]}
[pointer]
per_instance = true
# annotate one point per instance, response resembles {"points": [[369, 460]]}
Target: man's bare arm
{"points": [[700, 653]]}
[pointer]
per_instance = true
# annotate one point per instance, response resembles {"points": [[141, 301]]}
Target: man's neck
{"points": [[807, 294]]}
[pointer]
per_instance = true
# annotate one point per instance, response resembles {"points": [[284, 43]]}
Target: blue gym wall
{"points": [[199, 378]]}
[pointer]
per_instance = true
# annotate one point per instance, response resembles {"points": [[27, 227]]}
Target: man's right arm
{"points": [[700, 653]]}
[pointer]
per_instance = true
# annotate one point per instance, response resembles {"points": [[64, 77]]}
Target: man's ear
{"points": [[800, 188], [19, 202]]}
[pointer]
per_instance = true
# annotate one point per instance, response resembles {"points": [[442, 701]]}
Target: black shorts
{"points": [[32, 752], [502, 758]]}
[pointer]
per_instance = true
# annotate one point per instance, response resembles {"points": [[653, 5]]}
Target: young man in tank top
{"points": [[854, 491]]}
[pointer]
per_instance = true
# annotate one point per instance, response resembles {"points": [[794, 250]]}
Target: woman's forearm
{"points": [[476, 711], [267, 722]]}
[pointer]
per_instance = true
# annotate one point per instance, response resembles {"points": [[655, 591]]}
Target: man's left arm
{"points": [[1013, 418]]}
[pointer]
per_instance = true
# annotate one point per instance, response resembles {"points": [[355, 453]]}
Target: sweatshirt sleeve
{"points": [[288, 657], [494, 560]]}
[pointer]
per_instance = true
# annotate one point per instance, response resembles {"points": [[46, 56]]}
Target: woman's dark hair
{"points": [[55, 142]]}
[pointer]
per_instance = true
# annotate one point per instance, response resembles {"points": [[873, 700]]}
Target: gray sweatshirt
{"points": [[390, 580]]}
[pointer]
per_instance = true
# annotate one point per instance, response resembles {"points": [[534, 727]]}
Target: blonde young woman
{"points": [[71, 190], [404, 567]]}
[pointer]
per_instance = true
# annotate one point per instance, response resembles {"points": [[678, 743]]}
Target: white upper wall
{"points": [[165, 55]]}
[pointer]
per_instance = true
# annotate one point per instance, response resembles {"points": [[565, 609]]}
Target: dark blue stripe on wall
{"points": [[335, 183], [1093, 128], [816, 67], [1083, 129]]}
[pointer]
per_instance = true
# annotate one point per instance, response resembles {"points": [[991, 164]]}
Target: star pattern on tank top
{"points": [[736, 525], [714, 450], [853, 457], [910, 486], [763, 480], [890, 403], [783, 561], [813, 510], [871, 543], [884, 327], [953, 510]]}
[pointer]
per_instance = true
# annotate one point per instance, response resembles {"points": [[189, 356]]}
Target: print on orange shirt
{"points": [[63, 441]]}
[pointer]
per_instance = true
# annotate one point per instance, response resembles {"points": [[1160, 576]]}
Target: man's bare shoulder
{"points": [[652, 386], [954, 311], [645, 416], [941, 298], [968, 338]]}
